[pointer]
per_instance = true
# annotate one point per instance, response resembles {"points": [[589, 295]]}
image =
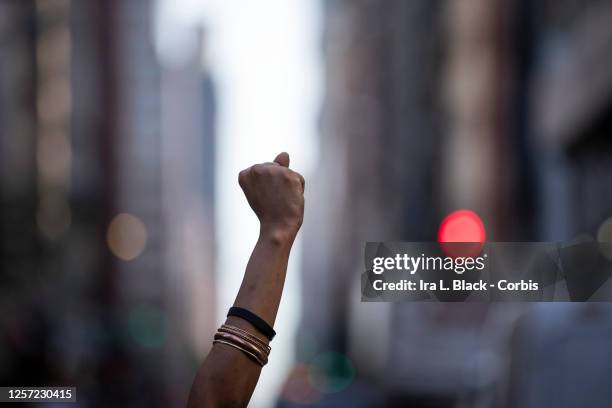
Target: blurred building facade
{"points": [[91, 290], [500, 106]]}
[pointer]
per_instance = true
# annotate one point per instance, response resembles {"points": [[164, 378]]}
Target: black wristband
{"points": [[259, 323]]}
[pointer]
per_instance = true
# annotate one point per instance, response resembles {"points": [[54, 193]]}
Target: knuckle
{"points": [[242, 176], [256, 169], [298, 177], [260, 169], [287, 176], [297, 180]]}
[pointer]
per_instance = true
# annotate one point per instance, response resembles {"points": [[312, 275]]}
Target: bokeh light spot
{"points": [[146, 326], [462, 233], [604, 233], [604, 238], [126, 236], [331, 372], [462, 226], [298, 388]]}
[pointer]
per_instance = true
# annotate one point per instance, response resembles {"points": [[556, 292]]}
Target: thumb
{"points": [[282, 159]]}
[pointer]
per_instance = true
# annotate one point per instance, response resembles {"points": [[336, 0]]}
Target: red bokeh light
{"points": [[462, 226]]}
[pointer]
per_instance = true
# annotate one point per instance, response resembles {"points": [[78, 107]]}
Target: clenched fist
{"points": [[276, 195]]}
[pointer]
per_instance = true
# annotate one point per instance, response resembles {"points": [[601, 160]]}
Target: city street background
{"points": [[124, 234]]}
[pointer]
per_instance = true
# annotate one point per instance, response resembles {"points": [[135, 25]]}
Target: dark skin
{"points": [[227, 377]]}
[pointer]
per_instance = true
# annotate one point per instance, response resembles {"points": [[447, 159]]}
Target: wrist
{"points": [[278, 233]]}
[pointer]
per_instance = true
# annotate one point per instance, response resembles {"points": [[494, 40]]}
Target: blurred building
{"points": [[564, 105], [501, 107], [93, 295], [570, 110], [107, 183]]}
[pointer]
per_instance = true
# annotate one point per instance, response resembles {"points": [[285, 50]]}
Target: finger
{"points": [[282, 159]]}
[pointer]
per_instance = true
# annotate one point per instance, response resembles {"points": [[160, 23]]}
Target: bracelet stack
{"points": [[257, 322], [251, 345]]}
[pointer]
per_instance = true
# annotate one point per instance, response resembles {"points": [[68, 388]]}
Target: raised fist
{"points": [[276, 195]]}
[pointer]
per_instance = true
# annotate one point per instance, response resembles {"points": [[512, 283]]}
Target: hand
{"points": [[276, 195]]}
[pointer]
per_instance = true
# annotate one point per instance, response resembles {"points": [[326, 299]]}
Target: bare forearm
{"points": [[262, 285], [228, 378]]}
